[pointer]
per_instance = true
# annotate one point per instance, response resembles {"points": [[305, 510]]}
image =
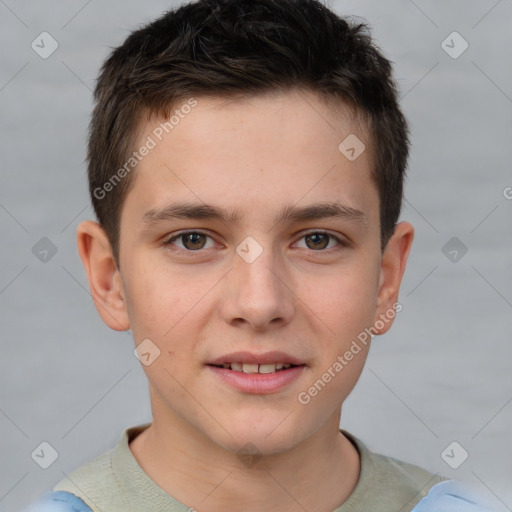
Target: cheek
{"points": [[165, 307], [145, 303], [345, 301]]}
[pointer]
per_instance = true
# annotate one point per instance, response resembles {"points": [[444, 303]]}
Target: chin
{"points": [[267, 435]]}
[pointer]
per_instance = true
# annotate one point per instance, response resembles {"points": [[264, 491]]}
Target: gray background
{"points": [[442, 373]]}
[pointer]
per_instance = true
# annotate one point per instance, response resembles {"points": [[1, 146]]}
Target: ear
{"points": [[103, 275], [392, 269]]}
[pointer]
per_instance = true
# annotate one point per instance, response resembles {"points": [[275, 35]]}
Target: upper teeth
{"points": [[255, 368]]}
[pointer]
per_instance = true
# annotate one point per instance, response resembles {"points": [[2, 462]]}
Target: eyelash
{"points": [[342, 243]]}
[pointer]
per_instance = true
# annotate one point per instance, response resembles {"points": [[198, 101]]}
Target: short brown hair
{"points": [[243, 47]]}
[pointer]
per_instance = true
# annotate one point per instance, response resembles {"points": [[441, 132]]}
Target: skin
{"points": [[307, 296]]}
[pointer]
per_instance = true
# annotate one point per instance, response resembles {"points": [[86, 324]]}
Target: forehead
{"points": [[254, 154]]}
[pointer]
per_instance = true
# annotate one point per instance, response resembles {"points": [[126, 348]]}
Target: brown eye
{"points": [[319, 241], [190, 240]]}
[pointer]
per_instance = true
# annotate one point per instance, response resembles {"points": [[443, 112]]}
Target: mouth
{"points": [[256, 368], [257, 373]]}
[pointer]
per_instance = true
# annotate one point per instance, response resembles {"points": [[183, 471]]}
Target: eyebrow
{"points": [[289, 213]]}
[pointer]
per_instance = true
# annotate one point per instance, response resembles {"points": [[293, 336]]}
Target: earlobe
{"points": [[393, 265], [103, 275]]}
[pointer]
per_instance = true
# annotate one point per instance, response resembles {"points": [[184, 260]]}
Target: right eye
{"points": [[192, 240]]}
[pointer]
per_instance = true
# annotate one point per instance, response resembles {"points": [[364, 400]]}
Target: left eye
{"points": [[320, 240], [196, 240]]}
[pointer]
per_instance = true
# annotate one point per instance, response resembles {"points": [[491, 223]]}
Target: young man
{"points": [[246, 164]]}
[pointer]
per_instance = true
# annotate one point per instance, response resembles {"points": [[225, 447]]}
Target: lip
{"points": [[258, 383], [252, 358]]}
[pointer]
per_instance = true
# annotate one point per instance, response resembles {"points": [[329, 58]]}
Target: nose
{"points": [[258, 293]]}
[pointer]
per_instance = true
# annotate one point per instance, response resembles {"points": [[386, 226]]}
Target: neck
{"points": [[318, 474]]}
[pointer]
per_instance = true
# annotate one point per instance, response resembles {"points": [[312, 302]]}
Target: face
{"points": [[250, 243]]}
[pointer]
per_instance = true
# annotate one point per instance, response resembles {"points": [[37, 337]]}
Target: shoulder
{"points": [[453, 496], [98, 472], [395, 472], [79, 491], [400, 483], [58, 501], [385, 471], [96, 483], [106, 482], [103, 482], [388, 484], [91, 487]]}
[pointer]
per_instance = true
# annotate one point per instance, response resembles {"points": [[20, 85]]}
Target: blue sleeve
{"points": [[453, 496], [58, 501]]}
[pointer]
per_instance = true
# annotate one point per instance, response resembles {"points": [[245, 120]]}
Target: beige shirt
{"points": [[114, 482]]}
